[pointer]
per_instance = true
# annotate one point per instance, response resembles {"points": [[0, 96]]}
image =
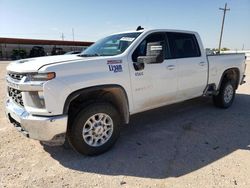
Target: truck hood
{"points": [[34, 64]]}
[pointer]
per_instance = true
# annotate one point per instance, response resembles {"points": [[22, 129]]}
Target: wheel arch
{"points": [[230, 74], [112, 93]]}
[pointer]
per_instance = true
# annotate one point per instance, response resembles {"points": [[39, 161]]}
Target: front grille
{"points": [[16, 95], [16, 76]]}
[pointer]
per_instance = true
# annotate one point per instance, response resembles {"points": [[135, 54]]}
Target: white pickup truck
{"points": [[87, 97]]}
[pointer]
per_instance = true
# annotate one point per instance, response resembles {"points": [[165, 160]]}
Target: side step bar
{"points": [[210, 90]]}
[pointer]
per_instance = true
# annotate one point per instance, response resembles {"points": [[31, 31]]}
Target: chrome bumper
{"points": [[36, 127]]}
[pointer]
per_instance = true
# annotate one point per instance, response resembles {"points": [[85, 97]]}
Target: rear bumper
{"points": [[36, 127]]}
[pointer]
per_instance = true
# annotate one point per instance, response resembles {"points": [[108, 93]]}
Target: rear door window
{"points": [[183, 45]]}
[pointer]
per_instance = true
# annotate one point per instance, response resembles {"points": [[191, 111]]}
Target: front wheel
{"points": [[226, 95], [95, 129]]}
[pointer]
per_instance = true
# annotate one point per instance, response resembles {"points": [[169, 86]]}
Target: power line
{"points": [[223, 21], [73, 34], [62, 36]]}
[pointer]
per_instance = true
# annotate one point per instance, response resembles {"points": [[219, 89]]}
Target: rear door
{"points": [[191, 62]]}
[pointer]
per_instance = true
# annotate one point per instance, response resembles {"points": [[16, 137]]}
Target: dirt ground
{"points": [[191, 144]]}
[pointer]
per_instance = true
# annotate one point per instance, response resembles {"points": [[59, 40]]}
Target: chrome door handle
{"points": [[202, 63], [170, 67]]}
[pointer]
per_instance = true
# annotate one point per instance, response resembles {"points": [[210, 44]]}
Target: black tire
{"points": [[75, 135], [220, 99]]}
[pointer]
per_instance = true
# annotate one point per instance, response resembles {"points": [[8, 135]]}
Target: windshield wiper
{"points": [[89, 55]]}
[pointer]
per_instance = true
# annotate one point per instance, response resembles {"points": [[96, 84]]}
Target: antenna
{"points": [[139, 28]]}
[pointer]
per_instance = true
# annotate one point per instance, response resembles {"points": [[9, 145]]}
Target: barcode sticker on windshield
{"points": [[129, 39]]}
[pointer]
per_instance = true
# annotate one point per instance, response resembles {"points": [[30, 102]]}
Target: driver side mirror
{"points": [[155, 53]]}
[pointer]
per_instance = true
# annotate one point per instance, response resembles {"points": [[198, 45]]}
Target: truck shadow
{"points": [[169, 142]]}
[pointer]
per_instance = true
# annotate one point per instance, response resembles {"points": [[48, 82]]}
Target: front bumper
{"points": [[41, 128]]}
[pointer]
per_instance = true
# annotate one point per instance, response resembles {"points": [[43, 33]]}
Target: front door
{"points": [[153, 85]]}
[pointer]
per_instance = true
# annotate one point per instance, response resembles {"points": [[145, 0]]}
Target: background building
{"points": [[8, 46]]}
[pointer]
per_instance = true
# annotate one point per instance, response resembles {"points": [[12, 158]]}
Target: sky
{"points": [[93, 19]]}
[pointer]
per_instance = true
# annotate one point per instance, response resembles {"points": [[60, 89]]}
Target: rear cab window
{"points": [[183, 45]]}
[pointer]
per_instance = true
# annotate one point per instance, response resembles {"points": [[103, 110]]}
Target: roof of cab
{"points": [[156, 30]]}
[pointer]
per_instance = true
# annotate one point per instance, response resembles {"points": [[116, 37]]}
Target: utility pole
{"points": [[73, 34], [223, 21], [62, 36]]}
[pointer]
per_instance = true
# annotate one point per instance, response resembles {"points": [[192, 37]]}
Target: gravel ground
{"points": [[191, 144]]}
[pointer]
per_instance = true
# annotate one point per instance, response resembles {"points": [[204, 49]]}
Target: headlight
{"points": [[41, 76]]}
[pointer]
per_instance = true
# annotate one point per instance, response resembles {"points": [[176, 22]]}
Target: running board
{"points": [[210, 90]]}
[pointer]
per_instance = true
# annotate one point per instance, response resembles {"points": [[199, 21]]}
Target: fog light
{"points": [[41, 97]]}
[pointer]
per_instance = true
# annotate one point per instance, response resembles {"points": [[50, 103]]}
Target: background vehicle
{"points": [[18, 54], [72, 52], [57, 51], [37, 51], [88, 96]]}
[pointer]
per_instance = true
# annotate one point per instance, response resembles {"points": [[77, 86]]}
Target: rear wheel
{"points": [[95, 129], [226, 95]]}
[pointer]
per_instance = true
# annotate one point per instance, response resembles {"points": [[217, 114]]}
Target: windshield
{"points": [[111, 45]]}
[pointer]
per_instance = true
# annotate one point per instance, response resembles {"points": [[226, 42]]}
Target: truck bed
{"points": [[221, 62]]}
